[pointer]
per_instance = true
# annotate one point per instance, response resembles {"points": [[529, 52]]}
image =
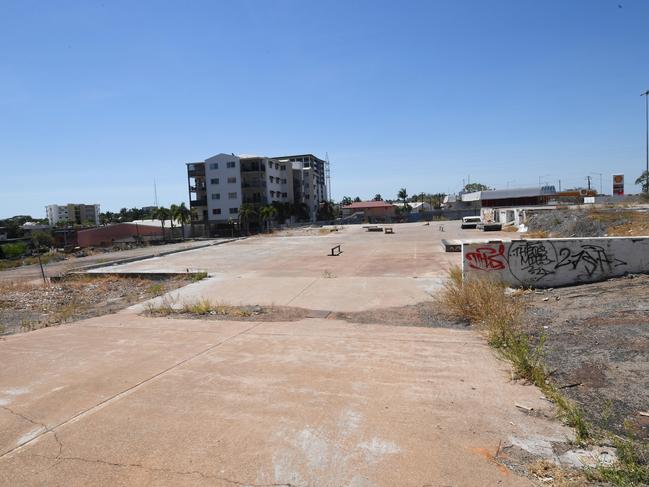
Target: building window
{"points": [[283, 181], [232, 196], [232, 164], [232, 180], [216, 211], [284, 195], [216, 196], [272, 179], [214, 165], [272, 194], [283, 167], [234, 211], [214, 181]]}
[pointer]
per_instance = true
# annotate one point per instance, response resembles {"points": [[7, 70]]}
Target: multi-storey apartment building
{"points": [[219, 185], [72, 213], [309, 180]]}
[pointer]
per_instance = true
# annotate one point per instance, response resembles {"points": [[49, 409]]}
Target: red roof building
{"points": [[373, 210]]}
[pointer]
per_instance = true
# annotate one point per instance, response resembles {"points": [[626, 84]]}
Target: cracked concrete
{"points": [[129, 400]]}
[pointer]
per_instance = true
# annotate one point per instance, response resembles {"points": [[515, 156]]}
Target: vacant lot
{"points": [[32, 305], [131, 399], [597, 345]]}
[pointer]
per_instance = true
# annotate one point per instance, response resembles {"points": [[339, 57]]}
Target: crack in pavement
{"points": [[46, 429], [114, 397], [163, 470]]}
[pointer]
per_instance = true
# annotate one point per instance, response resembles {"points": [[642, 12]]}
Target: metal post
{"points": [[646, 101], [42, 270]]}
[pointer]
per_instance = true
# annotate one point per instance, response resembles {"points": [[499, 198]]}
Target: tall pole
{"points": [[646, 115]]}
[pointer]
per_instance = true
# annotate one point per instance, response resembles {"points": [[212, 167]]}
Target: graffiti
{"points": [[533, 258], [547, 263], [592, 258], [487, 258]]}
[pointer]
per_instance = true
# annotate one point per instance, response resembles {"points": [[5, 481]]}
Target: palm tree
{"points": [[403, 195], [173, 211], [266, 214], [246, 212], [182, 216], [162, 214], [644, 181]]}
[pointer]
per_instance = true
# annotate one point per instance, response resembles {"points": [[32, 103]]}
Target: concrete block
{"points": [[553, 262]]}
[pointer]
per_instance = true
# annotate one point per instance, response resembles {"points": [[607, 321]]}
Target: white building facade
{"points": [[73, 213], [221, 184]]}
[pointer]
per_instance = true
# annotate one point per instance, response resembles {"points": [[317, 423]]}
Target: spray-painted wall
{"points": [[556, 261]]}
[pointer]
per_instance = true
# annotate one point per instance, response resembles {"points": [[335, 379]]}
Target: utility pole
{"points": [[600, 181], [646, 115], [588, 179]]}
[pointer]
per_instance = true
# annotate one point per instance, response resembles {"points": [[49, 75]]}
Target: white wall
{"points": [[223, 188], [556, 261]]}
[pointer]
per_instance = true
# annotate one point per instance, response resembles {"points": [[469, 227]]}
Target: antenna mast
{"points": [[155, 194]]}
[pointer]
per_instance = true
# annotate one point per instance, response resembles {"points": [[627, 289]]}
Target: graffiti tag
{"points": [[487, 258], [593, 258], [534, 258]]}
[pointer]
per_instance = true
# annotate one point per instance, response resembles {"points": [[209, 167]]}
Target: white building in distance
{"points": [[73, 213]]}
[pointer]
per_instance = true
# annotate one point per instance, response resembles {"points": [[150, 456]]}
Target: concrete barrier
{"points": [[556, 262]]}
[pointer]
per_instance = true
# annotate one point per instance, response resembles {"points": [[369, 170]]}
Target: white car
{"points": [[470, 222]]}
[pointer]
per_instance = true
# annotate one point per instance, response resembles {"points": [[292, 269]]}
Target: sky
{"points": [[99, 98]]}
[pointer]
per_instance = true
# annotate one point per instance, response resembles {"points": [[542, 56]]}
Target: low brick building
{"points": [[374, 211], [119, 232]]}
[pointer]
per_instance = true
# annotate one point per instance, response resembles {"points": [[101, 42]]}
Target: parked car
{"points": [[470, 222]]}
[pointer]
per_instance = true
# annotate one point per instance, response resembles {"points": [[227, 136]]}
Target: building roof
{"points": [[504, 194], [368, 204]]}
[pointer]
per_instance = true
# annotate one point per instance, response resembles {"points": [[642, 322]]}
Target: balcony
{"points": [[194, 170], [198, 202], [194, 189], [253, 167]]}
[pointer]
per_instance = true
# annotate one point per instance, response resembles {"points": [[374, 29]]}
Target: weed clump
{"points": [[484, 303]]}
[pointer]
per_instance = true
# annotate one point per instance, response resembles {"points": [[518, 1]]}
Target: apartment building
{"points": [[309, 180], [73, 213], [219, 185]]}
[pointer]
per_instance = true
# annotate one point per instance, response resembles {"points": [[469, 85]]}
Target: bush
{"points": [[14, 250]]}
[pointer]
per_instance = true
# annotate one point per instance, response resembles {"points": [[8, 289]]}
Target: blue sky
{"points": [[98, 98]]}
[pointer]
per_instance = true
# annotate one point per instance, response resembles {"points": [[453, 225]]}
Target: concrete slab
{"points": [[374, 270], [316, 402]]}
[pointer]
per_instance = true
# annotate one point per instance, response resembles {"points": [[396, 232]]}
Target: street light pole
{"points": [[646, 114]]}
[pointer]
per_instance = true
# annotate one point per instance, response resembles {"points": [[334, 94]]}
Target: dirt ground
{"points": [[29, 306], [597, 347]]}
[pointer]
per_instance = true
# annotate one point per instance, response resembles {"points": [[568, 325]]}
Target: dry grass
{"points": [[201, 307], [484, 304]]}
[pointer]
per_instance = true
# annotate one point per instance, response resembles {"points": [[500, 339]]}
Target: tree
{"points": [[182, 215], [173, 211], [378, 197], [644, 181], [346, 201], [472, 187], [326, 211], [42, 239], [163, 214], [403, 195], [266, 214], [246, 212], [357, 199]]}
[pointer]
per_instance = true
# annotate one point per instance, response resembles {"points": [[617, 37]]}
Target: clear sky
{"points": [[98, 98]]}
